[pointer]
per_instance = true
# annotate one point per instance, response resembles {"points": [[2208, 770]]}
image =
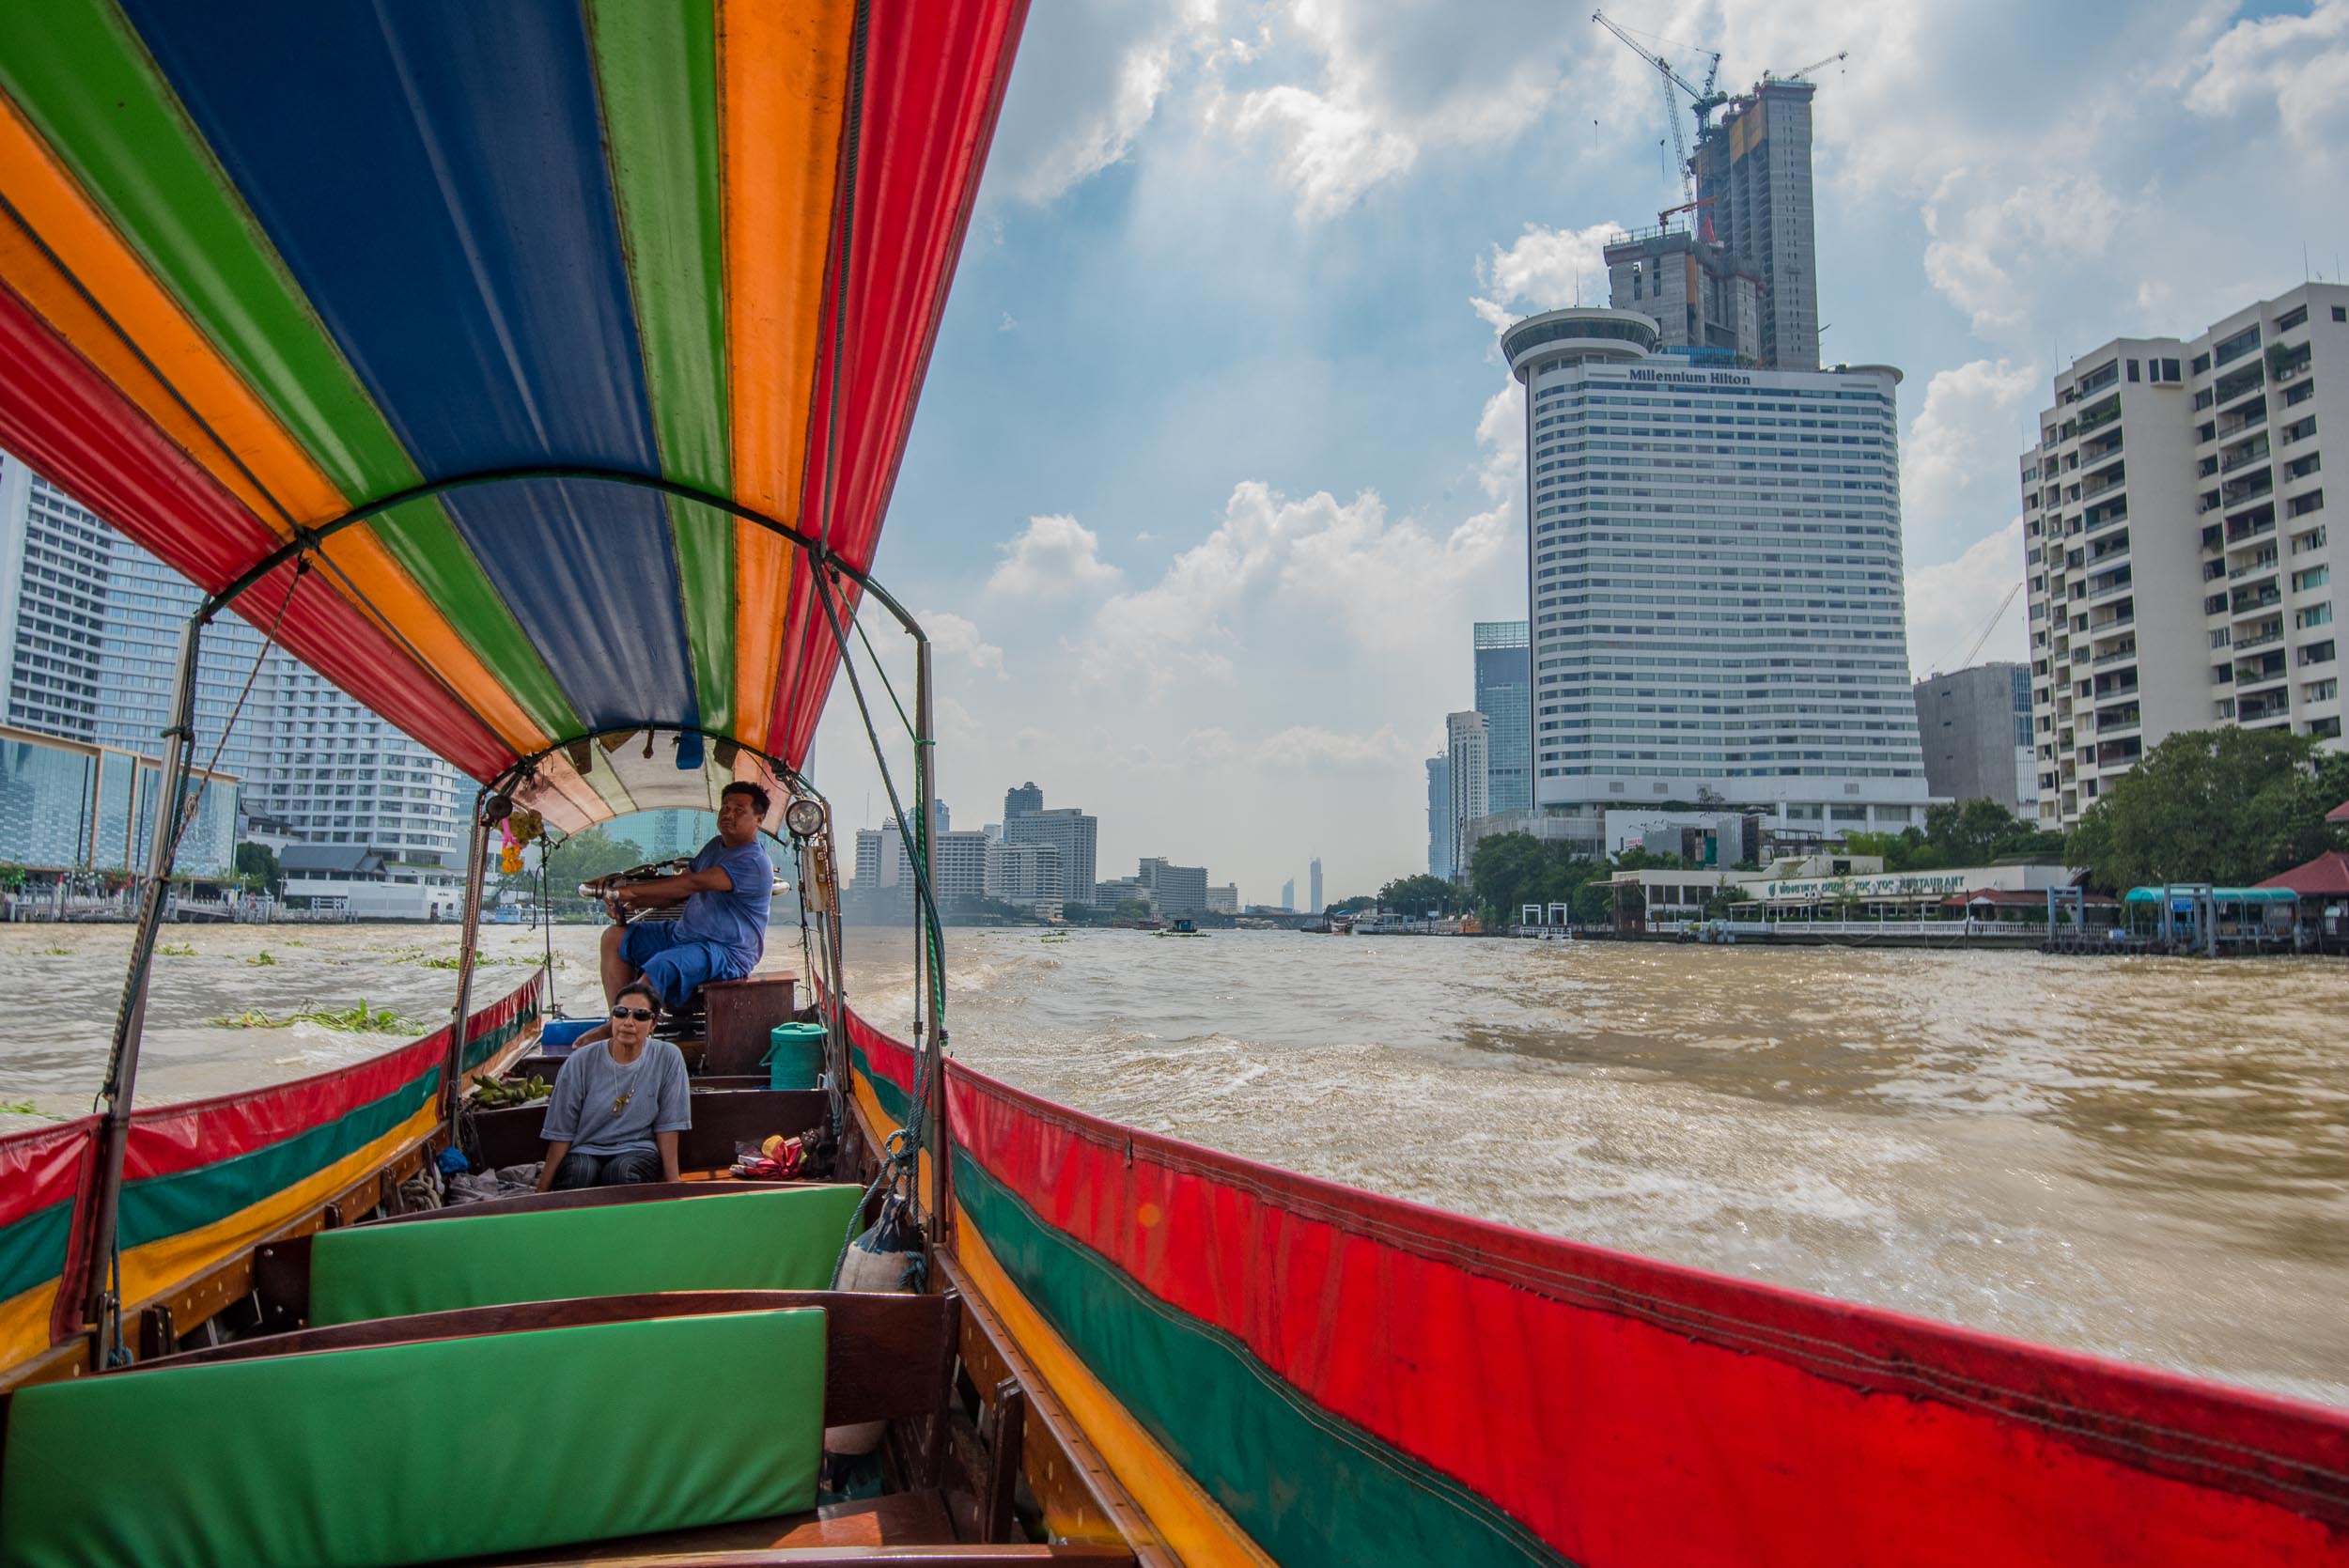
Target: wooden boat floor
{"points": [[902, 1527]]}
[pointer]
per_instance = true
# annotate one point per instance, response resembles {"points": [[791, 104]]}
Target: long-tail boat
{"points": [[538, 371]]}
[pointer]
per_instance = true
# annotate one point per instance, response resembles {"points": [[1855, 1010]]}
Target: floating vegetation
{"points": [[262, 960], [56, 953], [177, 949], [360, 1020], [26, 1108]]}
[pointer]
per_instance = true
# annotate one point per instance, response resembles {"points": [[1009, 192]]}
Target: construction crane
{"points": [[1967, 661], [1704, 101], [1804, 74]]}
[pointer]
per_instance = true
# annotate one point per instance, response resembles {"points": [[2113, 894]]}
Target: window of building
{"points": [[2132, 371], [2315, 614], [2315, 577], [2169, 370], [2201, 365], [2296, 317], [2340, 313], [2301, 505], [2317, 653], [2300, 468]]}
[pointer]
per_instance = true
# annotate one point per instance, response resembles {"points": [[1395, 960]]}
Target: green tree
{"points": [[1416, 896], [256, 868], [1353, 906], [1972, 832], [2229, 806], [582, 858]]}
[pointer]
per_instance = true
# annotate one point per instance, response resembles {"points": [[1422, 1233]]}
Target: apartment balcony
{"points": [[2237, 492], [2111, 479], [2120, 581], [2259, 680], [2243, 530], [2098, 628], [2263, 566], [2260, 640], [2118, 656], [2254, 453], [2251, 417], [2105, 551], [2278, 710], [2254, 604], [2119, 721], [2231, 388]]}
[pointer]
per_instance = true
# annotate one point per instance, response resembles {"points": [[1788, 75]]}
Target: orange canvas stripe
{"points": [[49, 199], [79, 237], [782, 93], [404, 608], [565, 779]]}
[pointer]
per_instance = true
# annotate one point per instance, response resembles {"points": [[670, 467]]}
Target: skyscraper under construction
{"points": [[1736, 280]]}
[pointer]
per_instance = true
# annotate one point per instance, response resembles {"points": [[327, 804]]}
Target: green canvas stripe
{"points": [[1307, 1487], [705, 565], [497, 1040], [657, 68], [423, 541], [82, 75], [33, 1249], [892, 1099], [166, 1205]]}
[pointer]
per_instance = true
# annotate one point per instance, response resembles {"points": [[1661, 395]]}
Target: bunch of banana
{"points": [[491, 1093]]}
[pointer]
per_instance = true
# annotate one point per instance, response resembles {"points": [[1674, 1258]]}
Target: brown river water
{"points": [[2144, 1157]]}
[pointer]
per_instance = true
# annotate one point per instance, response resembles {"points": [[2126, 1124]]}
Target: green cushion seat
{"points": [[775, 1238], [420, 1453]]}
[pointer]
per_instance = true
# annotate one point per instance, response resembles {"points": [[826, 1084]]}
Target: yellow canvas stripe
{"points": [[882, 1127], [233, 419], [782, 94], [1188, 1520], [159, 1265], [25, 1322]]}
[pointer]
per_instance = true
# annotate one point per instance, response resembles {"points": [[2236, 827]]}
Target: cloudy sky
{"points": [[1216, 460]]}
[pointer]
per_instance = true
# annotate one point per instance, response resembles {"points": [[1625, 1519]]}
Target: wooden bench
{"points": [[728, 1236], [887, 1357]]}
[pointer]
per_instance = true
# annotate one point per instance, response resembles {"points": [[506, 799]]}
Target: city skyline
{"points": [[1269, 278], [1271, 283]]}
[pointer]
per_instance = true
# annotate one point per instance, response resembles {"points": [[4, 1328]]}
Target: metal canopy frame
{"points": [[104, 1302]]}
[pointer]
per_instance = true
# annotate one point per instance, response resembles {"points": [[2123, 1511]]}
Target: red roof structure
{"points": [[2325, 876], [2338, 814]]}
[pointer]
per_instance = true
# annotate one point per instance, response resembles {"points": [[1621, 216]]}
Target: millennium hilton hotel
{"points": [[1713, 576]]}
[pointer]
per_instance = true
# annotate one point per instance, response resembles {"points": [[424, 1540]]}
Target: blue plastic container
{"points": [[795, 1056], [560, 1037]]}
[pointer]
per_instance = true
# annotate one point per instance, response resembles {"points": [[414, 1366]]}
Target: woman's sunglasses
{"points": [[642, 1014]]}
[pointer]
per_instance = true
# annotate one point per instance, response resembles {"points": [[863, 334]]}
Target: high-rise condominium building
{"points": [[1975, 726], [1027, 875], [1504, 693], [1440, 817], [1312, 882], [1288, 894], [1175, 890], [1714, 565], [90, 624], [2175, 546], [1022, 800], [89, 631], [1075, 833], [1467, 755]]}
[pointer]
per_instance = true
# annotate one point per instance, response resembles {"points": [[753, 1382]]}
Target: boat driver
{"points": [[618, 1105], [722, 930]]}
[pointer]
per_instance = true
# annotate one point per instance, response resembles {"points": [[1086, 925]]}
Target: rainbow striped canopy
{"points": [[265, 264]]}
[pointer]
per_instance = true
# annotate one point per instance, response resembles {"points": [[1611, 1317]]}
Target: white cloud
{"points": [[1977, 235], [1957, 464], [1089, 77], [1009, 323], [1209, 746], [1309, 746], [1056, 556], [1950, 604], [1391, 80], [1345, 559], [958, 638], [1544, 269], [2297, 65]]}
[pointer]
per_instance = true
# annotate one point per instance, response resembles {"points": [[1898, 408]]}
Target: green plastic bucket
{"points": [[795, 1056]]}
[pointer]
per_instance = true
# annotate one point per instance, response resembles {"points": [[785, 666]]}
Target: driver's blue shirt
{"points": [[734, 920]]}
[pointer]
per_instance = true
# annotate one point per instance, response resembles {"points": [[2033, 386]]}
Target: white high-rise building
{"points": [[1312, 883], [341, 775], [1440, 816], [1714, 565], [1075, 833], [1467, 754], [1028, 874], [2175, 544]]}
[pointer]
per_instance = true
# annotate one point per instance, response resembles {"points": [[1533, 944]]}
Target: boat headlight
{"points": [[805, 817]]}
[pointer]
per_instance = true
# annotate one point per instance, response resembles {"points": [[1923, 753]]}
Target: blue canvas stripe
{"points": [[432, 173]]}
